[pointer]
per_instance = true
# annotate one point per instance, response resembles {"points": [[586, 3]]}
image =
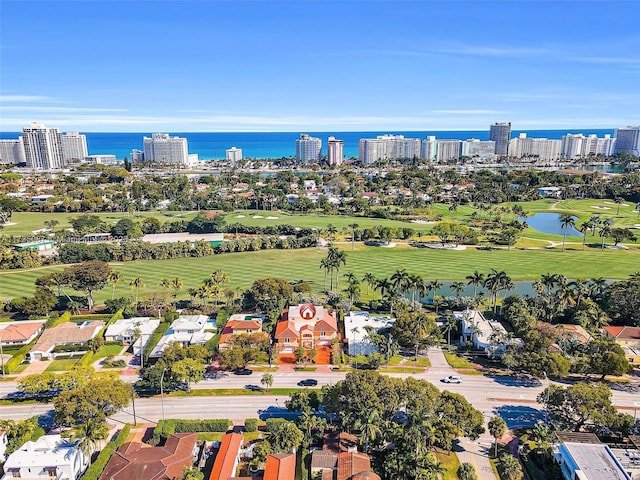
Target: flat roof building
{"points": [[42, 147], [335, 151], [164, 149], [234, 155], [12, 151], [74, 147], [500, 133], [584, 461], [308, 149]]}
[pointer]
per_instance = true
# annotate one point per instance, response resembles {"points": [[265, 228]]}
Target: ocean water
{"points": [[212, 145]]}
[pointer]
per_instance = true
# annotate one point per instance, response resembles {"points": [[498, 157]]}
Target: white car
{"points": [[452, 379]]}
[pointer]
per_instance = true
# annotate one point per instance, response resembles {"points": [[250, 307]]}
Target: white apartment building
{"points": [[12, 151], [234, 155], [538, 148], [74, 146], [579, 146], [478, 150], [628, 140], [137, 155], [308, 149], [388, 147], [164, 149], [101, 159], [335, 151], [429, 148], [42, 147], [447, 150]]}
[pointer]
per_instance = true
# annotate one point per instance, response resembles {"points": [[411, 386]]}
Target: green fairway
{"points": [[244, 268]]}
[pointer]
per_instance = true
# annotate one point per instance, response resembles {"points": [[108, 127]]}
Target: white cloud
{"points": [[25, 98], [470, 112]]}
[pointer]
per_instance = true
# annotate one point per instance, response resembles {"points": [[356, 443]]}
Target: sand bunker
{"points": [[613, 203], [600, 208], [257, 216], [239, 216], [272, 218]]}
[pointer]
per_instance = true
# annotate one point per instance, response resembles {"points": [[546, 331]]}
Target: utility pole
{"points": [[162, 391], [133, 402], [1, 357]]}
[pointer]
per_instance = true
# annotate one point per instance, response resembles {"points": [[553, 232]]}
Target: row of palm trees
{"points": [[331, 264]]}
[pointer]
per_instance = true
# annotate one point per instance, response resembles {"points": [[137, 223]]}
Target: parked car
{"points": [[452, 379], [309, 382], [243, 371], [254, 388]]}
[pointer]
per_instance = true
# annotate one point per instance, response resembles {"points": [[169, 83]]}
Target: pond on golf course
{"points": [[549, 223]]}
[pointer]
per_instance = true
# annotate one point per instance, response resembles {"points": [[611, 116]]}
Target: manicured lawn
{"points": [[62, 365], [450, 463], [107, 350], [458, 362], [207, 392], [244, 268], [393, 369]]}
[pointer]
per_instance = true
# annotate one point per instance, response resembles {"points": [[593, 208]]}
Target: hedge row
{"points": [[251, 425], [88, 358], [167, 427], [20, 355], [95, 469], [154, 339], [90, 317]]}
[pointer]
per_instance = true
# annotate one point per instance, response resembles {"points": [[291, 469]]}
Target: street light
{"points": [[162, 391], [546, 410], [1, 356]]}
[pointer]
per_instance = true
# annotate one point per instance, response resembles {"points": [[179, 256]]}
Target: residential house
{"points": [[340, 460], [68, 333], [19, 333], [280, 466], [135, 330], [4, 441], [355, 329], [584, 461], [239, 324], [228, 457], [139, 461], [629, 339], [186, 330], [51, 456], [483, 334], [307, 325], [569, 330]]}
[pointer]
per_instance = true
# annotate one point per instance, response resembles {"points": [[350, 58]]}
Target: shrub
{"points": [[167, 427], [95, 469], [251, 425], [154, 339], [271, 422]]}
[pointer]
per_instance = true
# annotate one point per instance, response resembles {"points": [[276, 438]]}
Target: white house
{"points": [[126, 329], [186, 330], [482, 333], [356, 332], [3, 444], [49, 457]]}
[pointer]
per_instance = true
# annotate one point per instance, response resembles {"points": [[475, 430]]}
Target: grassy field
{"points": [[62, 365], [244, 268], [458, 362]]}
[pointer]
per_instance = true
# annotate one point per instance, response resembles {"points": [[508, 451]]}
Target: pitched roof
{"points": [[19, 331], [324, 459], [350, 463], [281, 466], [366, 476], [624, 333], [286, 329], [340, 442], [224, 465], [68, 332], [138, 460]]}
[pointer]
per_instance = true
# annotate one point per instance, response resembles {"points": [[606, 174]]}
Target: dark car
{"points": [[254, 388], [309, 382], [243, 371]]}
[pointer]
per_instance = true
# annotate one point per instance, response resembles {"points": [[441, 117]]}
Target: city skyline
{"points": [[317, 66]]}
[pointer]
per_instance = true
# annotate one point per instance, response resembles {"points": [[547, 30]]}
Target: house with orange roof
{"points": [[142, 462], [19, 333], [629, 339], [241, 324], [307, 325], [340, 460], [281, 466], [227, 458]]}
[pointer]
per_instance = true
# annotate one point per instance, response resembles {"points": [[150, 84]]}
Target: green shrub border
{"points": [[251, 425], [154, 339], [95, 469], [167, 427]]}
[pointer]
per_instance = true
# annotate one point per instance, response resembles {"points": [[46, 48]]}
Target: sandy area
{"points": [[600, 208], [239, 216], [272, 218], [257, 216]]}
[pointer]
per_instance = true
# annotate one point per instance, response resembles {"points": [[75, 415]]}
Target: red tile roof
{"points": [[350, 463], [340, 442], [624, 333], [281, 466], [19, 331], [138, 460], [224, 466]]}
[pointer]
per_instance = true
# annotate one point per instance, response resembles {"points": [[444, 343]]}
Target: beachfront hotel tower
{"points": [[335, 151], [42, 147], [628, 140], [308, 149], [166, 150], [11, 152], [501, 133], [74, 147], [234, 155]]}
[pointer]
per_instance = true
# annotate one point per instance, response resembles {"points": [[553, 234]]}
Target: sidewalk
{"points": [[476, 453], [38, 366]]}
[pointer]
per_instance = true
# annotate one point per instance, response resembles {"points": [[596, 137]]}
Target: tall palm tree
{"points": [[604, 232], [325, 264], [370, 280], [89, 435], [331, 230], [566, 221], [165, 283], [339, 260], [369, 426], [457, 287], [136, 284], [399, 279], [495, 282], [476, 279], [114, 279], [353, 233], [618, 201], [497, 428], [449, 324], [385, 286], [176, 284], [584, 228], [435, 286]]}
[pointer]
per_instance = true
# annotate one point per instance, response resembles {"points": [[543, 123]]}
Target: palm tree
{"points": [[495, 282], [566, 221], [369, 426], [618, 201], [325, 263], [331, 230], [435, 286], [457, 287], [604, 232], [476, 279], [399, 279], [114, 279], [339, 259], [164, 283], [370, 280], [638, 209], [353, 233], [584, 228], [497, 428], [385, 286], [89, 435], [136, 284], [267, 380], [449, 324], [176, 285]]}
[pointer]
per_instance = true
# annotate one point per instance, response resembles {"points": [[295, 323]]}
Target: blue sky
{"points": [[318, 65]]}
